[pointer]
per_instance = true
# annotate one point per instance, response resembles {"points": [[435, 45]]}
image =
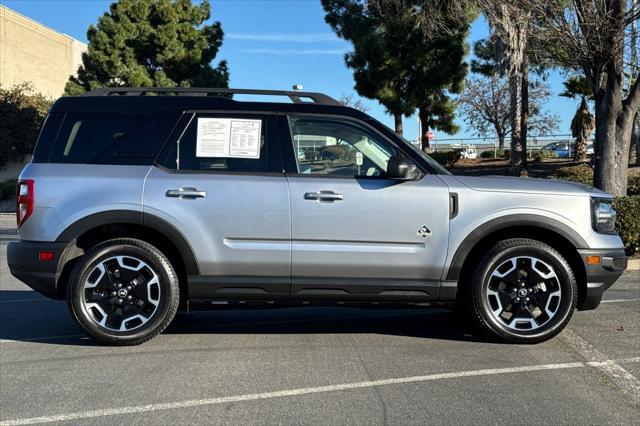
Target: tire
{"points": [[522, 291], [123, 292]]}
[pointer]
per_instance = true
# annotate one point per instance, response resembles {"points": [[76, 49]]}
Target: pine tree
{"points": [[400, 65], [152, 43], [436, 70], [375, 59]]}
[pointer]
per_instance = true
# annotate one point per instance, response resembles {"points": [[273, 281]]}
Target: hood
{"points": [[528, 185]]}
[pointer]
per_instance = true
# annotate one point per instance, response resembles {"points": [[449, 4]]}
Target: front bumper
{"points": [[602, 275], [42, 276]]}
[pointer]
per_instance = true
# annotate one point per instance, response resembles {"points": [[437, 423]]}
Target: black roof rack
{"points": [[296, 97]]}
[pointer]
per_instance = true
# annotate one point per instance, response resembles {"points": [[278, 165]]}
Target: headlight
{"points": [[604, 216]]}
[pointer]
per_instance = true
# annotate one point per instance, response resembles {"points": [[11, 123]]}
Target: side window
{"points": [[339, 148], [103, 139], [111, 138], [220, 143]]}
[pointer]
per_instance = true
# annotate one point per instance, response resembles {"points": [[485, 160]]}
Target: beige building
{"points": [[30, 51]]}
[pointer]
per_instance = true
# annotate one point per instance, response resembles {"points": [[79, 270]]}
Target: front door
{"points": [[220, 183], [356, 234]]}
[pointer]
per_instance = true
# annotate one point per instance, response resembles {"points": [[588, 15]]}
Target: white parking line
{"points": [[301, 391], [619, 300], [625, 381]]}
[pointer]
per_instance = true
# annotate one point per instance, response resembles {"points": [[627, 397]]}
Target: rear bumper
{"points": [[601, 276], [42, 276]]}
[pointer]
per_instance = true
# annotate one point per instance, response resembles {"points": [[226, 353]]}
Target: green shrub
{"points": [[446, 158], [23, 111], [628, 222], [582, 173], [507, 154], [633, 185], [542, 154], [492, 153], [8, 189]]}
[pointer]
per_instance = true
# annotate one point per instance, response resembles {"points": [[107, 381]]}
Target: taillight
{"points": [[24, 200]]}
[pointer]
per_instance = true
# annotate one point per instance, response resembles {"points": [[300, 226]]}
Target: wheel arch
{"points": [[97, 227], [543, 229]]}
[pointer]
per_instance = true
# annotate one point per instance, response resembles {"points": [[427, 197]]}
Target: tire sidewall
{"points": [[76, 293], [567, 298]]}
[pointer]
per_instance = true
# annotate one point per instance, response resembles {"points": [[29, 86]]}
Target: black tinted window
{"points": [[47, 137], [111, 138], [247, 131]]}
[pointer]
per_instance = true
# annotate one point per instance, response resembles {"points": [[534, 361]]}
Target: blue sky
{"points": [[273, 44]]}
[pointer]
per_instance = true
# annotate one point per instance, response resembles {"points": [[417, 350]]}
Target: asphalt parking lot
{"points": [[317, 366]]}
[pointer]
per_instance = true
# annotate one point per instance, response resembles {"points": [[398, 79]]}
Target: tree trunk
{"points": [[500, 134], [581, 131], [398, 123], [634, 150], [581, 148], [623, 142], [516, 128], [613, 136], [424, 124], [524, 112]]}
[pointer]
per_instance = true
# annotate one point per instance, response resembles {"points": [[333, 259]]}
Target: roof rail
{"points": [[296, 97]]}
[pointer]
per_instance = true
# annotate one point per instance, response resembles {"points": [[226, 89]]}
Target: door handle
{"points": [[323, 196], [185, 193]]}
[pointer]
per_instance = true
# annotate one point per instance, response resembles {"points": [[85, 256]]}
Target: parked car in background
{"points": [[558, 149], [467, 152]]}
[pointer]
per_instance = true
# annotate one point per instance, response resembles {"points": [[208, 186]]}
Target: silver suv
{"points": [[136, 206]]}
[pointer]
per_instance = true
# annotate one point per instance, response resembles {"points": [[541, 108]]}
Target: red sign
{"points": [[430, 135]]}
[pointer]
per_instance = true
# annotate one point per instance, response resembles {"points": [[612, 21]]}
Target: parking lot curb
{"points": [[633, 265]]}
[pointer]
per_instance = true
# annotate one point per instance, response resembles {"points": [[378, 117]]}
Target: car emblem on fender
{"points": [[424, 232]]}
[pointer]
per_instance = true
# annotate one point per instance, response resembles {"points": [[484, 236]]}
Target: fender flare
{"points": [[131, 217], [504, 222]]}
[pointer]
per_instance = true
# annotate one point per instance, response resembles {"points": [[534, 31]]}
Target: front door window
{"points": [[338, 148]]}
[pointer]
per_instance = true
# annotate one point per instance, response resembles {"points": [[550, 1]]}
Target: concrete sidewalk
{"points": [[8, 226]]}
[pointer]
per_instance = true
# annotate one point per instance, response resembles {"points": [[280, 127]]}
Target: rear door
{"points": [[220, 183], [356, 234]]}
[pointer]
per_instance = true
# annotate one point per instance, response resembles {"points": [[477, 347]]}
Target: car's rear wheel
{"points": [[522, 291], [123, 291]]}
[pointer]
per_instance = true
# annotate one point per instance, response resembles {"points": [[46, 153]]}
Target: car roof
{"points": [[152, 104], [138, 100]]}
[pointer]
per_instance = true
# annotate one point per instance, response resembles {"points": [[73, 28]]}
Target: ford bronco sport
{"points": [[134, 206]]}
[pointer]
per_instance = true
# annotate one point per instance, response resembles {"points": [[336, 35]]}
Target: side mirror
{"points": [[400, 167]]}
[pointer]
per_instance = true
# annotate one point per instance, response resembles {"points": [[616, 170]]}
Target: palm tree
{"points": [[582, 126], [584, 122]]}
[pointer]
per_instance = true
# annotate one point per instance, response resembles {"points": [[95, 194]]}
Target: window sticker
{"points": [[228, 137], [245, 138]]}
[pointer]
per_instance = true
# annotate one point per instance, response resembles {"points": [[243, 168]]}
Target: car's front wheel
{"points": [[522, 291], [123, 291]]}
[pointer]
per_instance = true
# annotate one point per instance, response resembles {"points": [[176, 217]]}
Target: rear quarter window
{"points": [[47, 137], [99, 138]]}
